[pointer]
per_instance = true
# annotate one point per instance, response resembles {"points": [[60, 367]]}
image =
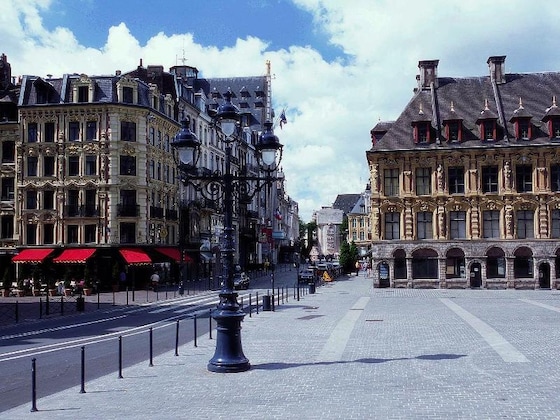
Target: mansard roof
{"points": [[249, 94], [474, 99], [346, 202]]}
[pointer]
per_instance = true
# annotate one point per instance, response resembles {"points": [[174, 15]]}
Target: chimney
{"points": [[428, 73], [496, 64]]}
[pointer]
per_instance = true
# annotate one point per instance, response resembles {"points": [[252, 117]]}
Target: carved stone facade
{"points": [[467, 184]]}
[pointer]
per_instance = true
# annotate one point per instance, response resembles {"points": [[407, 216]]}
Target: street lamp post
{"points": [[228, 356]]}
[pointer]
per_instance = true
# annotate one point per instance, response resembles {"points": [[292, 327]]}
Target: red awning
{"points": [[74, 256], [135, 256], [32, 255], [174, 253]]}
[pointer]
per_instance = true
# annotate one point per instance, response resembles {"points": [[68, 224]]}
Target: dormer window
{"points": [[83, 94], [422, 128], [488, 129], [422, 132], [552, 120], [487, 123], [523, 129], [127, 90], [83, 89], [555, 130], [128, 95], [453, 126], [521, 120]]}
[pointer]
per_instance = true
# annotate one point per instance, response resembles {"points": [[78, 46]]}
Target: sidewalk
{"points": [[351, 352]]}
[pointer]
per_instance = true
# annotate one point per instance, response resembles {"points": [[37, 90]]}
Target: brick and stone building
{"points": [[465, 183]]}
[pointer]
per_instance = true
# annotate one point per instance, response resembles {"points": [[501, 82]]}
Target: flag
{"points": [[277, 214], [283, 118]]}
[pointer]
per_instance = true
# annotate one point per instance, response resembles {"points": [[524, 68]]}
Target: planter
{"points": [[52, 292], [20, 293], [5, 292], [67, 292], [87, 291], [36, 292]]}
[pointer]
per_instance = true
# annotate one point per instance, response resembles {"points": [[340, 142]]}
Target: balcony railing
{"points": [[171, 214], [128, 210], [156, 212], [87, 210]]}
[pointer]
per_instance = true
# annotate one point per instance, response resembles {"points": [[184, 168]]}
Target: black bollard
{"points": [[250, 308], [151, 347], [195, 330], [33, 385], [17, 311], [40, 308], [210, 324], [120, 357], [177, 339], [83, 371]]}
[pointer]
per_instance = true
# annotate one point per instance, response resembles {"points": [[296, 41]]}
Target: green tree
{"points": [[345, 259]]}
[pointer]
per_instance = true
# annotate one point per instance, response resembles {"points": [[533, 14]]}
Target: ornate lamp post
{"points": [[228, 356]]}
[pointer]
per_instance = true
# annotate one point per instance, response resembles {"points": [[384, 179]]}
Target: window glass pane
{"points": [[32, 166], [424, 225], [49, 132], [73, 166], [490, 179], [73, 131], [524, 178], [91, 130], [423, 181], [91, 165], [392, 226], [525, 224], [456, 178], [555, 231], [48, 163], [555, 178], [457, 225], [391, 182], [491, 224]]}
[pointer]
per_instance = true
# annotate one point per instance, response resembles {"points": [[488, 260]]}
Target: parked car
{"points": [[306, 275], [241, 281]]}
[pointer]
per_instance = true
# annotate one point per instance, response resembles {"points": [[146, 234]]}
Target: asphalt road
{"points": [[56, 343]]}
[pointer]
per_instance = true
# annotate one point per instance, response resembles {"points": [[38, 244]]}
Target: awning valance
{"points": [[174, 254], [135, 256], [74, 256], [32, 256]]}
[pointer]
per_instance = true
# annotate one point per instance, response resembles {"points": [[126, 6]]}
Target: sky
{"points": [[339, 67]]}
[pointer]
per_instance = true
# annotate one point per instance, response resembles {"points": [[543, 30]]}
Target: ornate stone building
{"points": [[359, 228], [465, 184], [87, 165], [9, 136]]}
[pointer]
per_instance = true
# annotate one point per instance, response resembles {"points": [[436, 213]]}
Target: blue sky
{"points": [[339, 66], [212, 22]]}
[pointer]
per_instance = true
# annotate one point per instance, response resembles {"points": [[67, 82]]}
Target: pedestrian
{"points": [[60, 287], [357, 268], [155, 281]]}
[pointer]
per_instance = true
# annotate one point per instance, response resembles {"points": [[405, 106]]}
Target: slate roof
{"points": [[248, 94], [465, 99], [346, 202], [60, 90]]}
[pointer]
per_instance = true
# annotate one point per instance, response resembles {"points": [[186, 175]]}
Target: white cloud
{"points": [[330, 106]]}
